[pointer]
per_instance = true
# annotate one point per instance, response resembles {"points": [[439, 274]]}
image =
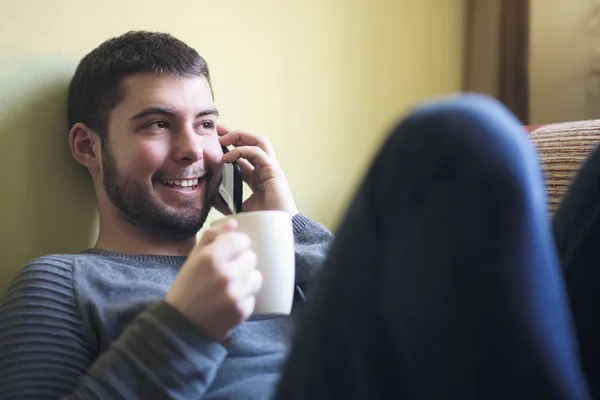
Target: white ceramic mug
{"points": [[272, 239]]}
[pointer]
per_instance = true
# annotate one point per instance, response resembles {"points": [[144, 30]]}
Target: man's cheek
{"points": [[213, 158], [147, 160]]}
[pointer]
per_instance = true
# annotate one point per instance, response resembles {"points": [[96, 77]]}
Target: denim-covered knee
{"points": [[467, 140], [472, 124]]}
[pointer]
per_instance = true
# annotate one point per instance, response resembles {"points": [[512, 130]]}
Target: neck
{"points": [[120, 236]]}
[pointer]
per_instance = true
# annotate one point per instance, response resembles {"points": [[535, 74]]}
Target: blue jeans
{"points": [[446, 279]]}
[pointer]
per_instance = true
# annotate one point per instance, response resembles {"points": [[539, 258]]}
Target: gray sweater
{"points": [[94, 325]]}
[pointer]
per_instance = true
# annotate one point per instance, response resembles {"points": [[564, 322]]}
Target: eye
{"points": [[207, 125], [159, 124]]}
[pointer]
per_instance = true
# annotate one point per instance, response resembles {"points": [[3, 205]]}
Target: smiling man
{"points": [[148, 312]]}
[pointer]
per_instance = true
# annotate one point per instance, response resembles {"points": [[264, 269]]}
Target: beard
{"points": [[142, 207]]}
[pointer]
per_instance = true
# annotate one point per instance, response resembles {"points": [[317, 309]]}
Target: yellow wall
{"points": [[563, 53], [322, 79]]}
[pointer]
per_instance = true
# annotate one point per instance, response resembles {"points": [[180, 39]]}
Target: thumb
{"points": [[211, 234]]}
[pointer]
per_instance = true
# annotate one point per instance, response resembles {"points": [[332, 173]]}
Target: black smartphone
{"points": [[230, 189]]}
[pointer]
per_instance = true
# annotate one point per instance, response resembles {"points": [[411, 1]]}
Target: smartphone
{"points": [[230, 189]]}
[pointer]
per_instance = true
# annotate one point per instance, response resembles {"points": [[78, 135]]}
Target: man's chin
{"points": [[185, 214], [177, 229], [187, 221]]}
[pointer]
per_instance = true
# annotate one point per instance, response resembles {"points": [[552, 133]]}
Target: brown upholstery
{"points": [[562, 148]]}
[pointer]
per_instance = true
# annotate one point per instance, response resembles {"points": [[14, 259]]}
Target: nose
{"points": [[187, 148]]}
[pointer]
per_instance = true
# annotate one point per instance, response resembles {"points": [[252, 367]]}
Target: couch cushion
{"points": [[562, 148]]}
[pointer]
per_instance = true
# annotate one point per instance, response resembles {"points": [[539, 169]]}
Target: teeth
{"points": [[183, 182]]}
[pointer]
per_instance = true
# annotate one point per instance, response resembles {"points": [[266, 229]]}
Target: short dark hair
{"points": [[95, 88]]}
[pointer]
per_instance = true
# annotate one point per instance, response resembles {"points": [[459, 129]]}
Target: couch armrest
{"points": [[562, 147]]}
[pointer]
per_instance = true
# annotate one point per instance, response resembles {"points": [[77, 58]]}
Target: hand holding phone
{"points": [[261, 171]]}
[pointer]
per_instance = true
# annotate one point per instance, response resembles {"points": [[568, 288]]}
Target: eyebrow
{"points": [[171, 112]]}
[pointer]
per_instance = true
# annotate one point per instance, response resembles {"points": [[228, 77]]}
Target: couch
{"points": [[561, 148]]}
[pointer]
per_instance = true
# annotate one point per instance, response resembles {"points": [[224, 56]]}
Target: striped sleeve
{"points": [[43, 347], [45, 354]]}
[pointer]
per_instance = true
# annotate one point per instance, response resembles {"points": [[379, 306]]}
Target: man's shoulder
{"points": [[53, 261], [52, 268], [46, 281], [57, 258]]}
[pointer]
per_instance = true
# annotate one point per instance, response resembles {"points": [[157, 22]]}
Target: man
{"points": [[135, 317], [443, 282]]}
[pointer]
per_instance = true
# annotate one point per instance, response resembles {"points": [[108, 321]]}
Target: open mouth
{"points": [[183, 184]]}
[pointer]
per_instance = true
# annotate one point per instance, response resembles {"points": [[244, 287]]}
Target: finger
{"points": [[246, 168], [240, 138], [246, 307], [227, 247], [222, 129], [250, 285], [229, 225], [222, 226], [254, 282], [255, 155], [242, 265], [240, 144]]}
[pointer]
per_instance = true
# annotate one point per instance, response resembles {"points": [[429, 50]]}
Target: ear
{"points": [[85, 146]]}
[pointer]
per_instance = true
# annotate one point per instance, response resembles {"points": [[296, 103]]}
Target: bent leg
{"points": [[576, 226], [443, 281]]}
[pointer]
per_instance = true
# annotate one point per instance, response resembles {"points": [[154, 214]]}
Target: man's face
{"points": [[162, 163]]}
